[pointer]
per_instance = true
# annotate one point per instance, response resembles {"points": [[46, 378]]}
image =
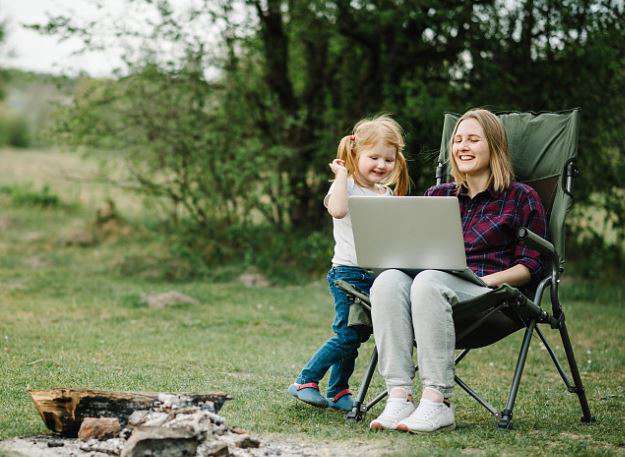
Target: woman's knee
{"points": [[429, 292], [390, 288]]}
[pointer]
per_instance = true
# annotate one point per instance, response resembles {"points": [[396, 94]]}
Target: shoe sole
{"points": [[404, 428], [377, 426]]}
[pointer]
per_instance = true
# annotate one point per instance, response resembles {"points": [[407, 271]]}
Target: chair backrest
{"points": [[541, 145]]}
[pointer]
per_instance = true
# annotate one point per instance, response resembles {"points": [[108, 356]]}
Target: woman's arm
{"points": [[516, 276], [337, 200]]}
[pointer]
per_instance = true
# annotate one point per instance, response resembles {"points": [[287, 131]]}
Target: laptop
{"points": [[410, 233]]}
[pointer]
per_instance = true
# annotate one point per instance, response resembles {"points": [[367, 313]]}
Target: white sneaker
{"points": [[396, 409], [428, 417]]}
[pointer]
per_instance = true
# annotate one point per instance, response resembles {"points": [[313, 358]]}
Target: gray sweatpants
{"points": [[404, 310]]}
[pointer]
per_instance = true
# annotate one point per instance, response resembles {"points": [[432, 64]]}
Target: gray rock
{"points": [[161, 442], [213, 449]]}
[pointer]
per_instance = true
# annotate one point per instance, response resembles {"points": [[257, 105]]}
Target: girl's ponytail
{"points": [[345, 148], [347, 153], [402, 178]]}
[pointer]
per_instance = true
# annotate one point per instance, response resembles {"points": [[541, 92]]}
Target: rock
{"points": [[113, 446], [160, 301], [138, 417], [56, 443], [246, 441], [101, 428], [241, 441], [161, 442], [155, 419], [213, 449], [199, 422], [254, 279]]}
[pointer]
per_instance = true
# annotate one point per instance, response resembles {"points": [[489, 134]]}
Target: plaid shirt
{"points": [[490, 222]]}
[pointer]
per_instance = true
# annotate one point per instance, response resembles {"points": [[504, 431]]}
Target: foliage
{"points": [[25, 195], [14, 131], [242, 134]]}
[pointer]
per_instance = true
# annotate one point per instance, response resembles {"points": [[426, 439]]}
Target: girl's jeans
{"points": [[340, 351]]}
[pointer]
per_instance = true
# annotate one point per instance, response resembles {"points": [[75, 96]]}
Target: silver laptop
{"points": [[409, 233]]}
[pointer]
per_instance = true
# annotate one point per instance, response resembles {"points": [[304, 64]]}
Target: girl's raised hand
{"points": [[337, 165]]}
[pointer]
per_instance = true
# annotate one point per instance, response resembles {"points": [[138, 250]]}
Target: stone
{"points": [[213, 449], [161, 442], [56, 443], [254, 279], [113, 446], [138, 417], [246, 441], [163, 300], [241, 441], [101, 428], [155, 419]]}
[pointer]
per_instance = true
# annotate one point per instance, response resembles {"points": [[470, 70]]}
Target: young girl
{"points": [[368, 162]]}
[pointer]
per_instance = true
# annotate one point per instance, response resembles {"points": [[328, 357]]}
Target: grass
{"points": [[69, 316]]}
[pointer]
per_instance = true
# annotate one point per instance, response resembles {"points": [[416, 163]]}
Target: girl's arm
{"points": [[515, 276], [337, 200]]}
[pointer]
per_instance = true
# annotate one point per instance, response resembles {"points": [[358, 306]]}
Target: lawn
{"points": [[70, 317]]}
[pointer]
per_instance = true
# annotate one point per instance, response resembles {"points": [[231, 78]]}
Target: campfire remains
{"points": [[130, 424]]}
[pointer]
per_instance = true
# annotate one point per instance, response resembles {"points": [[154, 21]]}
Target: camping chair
{"points": [[543, 148]]}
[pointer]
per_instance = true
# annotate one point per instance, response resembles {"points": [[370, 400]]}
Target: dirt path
{"points": [[271, 445]]}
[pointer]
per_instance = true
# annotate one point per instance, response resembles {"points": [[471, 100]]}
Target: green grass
{"points": [[70, 317]]}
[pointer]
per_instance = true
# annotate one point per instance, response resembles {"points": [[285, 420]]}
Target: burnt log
{"points": [[63, 410]]}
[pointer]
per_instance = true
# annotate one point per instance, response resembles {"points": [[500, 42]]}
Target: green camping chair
{"points": [[543, 148]]}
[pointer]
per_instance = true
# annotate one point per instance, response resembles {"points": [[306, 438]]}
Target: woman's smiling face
{"points": [[470, 149]]}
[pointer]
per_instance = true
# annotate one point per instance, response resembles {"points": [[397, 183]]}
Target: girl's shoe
{"points": [[308, 393], [342, 401]]}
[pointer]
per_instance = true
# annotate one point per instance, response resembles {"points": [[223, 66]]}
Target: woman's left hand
{"points": [[516, 275]]}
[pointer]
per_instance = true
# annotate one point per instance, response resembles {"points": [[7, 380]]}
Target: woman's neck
{"points": [[477, 183]]}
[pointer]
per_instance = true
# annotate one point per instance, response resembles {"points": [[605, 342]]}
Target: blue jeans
{"points": [[340, 351]]}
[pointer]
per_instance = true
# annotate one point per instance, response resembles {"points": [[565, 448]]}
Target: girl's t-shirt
{"points": [[344, 250]]}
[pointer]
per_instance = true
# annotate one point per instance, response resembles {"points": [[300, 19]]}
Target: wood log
{"points": [[63, 410]]}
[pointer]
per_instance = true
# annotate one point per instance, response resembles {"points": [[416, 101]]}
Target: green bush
{"points": [[25, 195], [14, 132], [222, 252]]}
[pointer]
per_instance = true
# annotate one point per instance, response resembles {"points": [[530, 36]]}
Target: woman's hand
{"points": [[516, 275], [338, 166]]}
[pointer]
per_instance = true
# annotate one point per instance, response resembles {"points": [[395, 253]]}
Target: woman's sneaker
{"points": [[308, 393], [396, 409], [428, 417]]}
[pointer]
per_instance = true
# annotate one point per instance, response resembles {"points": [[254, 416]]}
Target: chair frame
{"points": [[555, 319]]}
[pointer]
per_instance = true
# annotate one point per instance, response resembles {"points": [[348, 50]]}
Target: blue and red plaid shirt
{"points": [[490, 222]]}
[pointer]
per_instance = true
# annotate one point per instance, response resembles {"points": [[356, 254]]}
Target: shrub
{"points": [[25, 195], [14, 132]]}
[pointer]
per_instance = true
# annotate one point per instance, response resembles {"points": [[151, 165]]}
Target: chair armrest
{"points": [[540, 244], [356, 293]]}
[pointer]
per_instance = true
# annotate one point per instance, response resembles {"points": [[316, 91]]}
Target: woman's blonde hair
{"points": [[367, 133], [501, 171]]}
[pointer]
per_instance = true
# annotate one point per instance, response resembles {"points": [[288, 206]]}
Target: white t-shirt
{"points": [[344, 250]]}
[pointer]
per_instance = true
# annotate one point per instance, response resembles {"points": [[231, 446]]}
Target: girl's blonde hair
{"points": [[367, 133], [501, 171]]}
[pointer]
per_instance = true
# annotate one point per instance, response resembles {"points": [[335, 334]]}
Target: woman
{"points": [[405, 309]]}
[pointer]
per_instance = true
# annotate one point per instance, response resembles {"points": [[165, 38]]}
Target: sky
{"points": [[26, 49]]}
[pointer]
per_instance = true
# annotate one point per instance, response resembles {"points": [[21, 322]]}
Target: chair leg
{"points": [[505, 419], [578, 387], [359, 409]]}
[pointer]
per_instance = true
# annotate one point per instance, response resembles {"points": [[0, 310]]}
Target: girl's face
{"points": [[470, 149], [376, 163]]}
